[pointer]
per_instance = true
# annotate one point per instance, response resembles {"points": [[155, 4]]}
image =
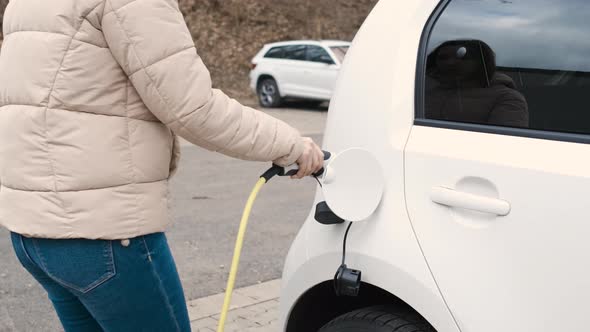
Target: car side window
{"points": [[318, 54], [295, 52], [275, 53], [499, 63]]}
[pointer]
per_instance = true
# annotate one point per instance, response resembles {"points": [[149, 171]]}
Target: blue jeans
{"points": [[99, 285]]}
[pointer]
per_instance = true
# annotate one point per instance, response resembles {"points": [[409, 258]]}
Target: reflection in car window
{"points": [[500, 63], [276, 53], [340, 52], [463, 85], [295, 52], [315, 53]]}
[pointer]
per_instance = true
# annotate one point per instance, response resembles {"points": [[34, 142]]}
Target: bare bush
{"points": [[228, 33]]}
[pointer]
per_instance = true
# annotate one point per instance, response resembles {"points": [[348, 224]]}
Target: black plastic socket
{"points": [[324, 215]]}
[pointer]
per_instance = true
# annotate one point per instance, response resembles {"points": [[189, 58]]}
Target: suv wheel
{"points": [[378, 319], [268, 93]]}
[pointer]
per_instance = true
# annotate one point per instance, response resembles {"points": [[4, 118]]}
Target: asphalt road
{"points": [[208, 192]]}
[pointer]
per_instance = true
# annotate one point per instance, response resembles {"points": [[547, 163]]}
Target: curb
{"points": [[210, 306]]}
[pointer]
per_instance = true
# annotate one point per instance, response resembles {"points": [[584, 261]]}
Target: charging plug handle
{"points": [[293, 169]]}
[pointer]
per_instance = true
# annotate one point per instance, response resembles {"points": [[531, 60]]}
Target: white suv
{"points": [[478, 115], [296, 69]]}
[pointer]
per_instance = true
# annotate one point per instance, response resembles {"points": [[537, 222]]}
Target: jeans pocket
{"points": [[78, 264], [21, 253]]}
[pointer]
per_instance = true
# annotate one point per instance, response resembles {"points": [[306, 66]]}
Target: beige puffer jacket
{"points": [[91, 95]]}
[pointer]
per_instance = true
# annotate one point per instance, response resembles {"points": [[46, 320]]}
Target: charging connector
{"points": [[347, 282]]}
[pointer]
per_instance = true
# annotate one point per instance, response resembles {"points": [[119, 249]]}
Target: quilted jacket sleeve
{"points": [[153, 45]]}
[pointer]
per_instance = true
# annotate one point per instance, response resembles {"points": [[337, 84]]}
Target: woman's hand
{"points": [[311, 160]]}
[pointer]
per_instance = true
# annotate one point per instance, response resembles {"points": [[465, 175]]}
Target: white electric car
{"points": [[303, 69], [475, 118]]}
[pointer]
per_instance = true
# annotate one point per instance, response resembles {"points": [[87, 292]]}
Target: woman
{"points": [[92, 94]]}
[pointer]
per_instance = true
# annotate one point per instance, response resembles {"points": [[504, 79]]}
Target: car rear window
{"points": [[275, 53]]}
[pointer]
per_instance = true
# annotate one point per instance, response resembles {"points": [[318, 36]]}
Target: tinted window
{"points": [[275, 52], [517, 63], [295, 52], [317, 54]]}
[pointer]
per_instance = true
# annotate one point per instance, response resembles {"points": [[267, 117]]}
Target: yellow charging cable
{"points": [[233, 272], [237, 251]]}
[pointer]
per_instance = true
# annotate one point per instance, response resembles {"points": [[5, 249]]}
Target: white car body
{"points": [[462, 271], [299, 78]]}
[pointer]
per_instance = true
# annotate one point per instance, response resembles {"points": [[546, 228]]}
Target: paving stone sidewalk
{"points": [[254, 309]]}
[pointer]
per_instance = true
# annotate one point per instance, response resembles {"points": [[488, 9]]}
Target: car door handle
{"points": [[463, 200]]}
